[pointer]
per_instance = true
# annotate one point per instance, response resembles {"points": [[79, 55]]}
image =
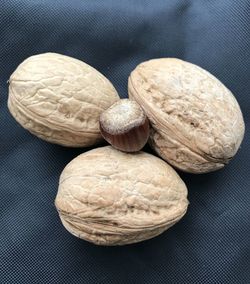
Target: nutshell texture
{"points": [[197, 124], [59, 99], [109, 197]]}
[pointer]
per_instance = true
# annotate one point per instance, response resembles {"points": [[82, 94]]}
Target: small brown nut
{"points": [[197, 124], [109, 197], [125, 126], [59, 99]]}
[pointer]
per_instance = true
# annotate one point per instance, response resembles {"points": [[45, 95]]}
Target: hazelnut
{"points": [[125, 126]]}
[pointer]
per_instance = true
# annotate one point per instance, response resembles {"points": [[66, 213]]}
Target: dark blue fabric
{"points": [[211, 244]]}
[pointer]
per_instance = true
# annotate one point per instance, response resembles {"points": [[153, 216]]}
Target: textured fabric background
{"points": [[211, 244]]}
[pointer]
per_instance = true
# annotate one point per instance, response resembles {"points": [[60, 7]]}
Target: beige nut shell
{"points": [[197, 124], [59, 99], [109, 197]]}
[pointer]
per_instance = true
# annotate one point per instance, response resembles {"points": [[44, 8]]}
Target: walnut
{"points": [[59, 99], [197, 124], [109, 197]]}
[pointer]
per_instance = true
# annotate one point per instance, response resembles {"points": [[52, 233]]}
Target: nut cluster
{"points": [[117, 194]]}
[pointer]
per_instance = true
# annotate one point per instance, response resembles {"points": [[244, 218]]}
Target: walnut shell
{"points": [[59, 99], [197, 124], [109, 197]]}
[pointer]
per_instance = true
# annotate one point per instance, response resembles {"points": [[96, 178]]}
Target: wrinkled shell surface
{"points": [[59, 99], [197, 124], [113, 198]]}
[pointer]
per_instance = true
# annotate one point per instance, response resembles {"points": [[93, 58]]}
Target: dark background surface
{"points": [[211, 244]]}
